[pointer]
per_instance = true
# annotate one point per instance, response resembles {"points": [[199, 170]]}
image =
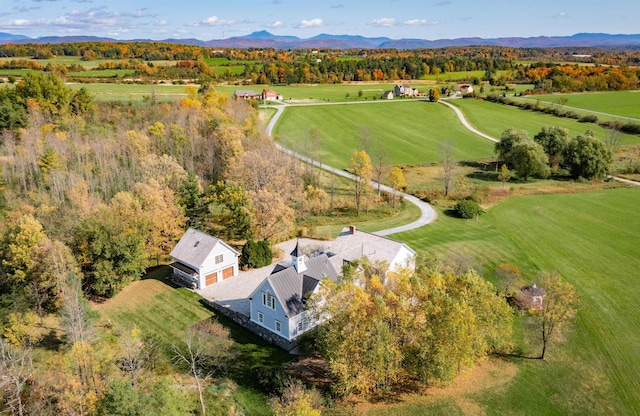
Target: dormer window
{"points": [[268, 300]]}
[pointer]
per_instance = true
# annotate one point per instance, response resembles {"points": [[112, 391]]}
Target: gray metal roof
{"points": [[194, 247], [354, 245], [291, 287]]}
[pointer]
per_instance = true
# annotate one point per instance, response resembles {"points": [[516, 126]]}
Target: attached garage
{"points": [[211, 279], [227, 273]]}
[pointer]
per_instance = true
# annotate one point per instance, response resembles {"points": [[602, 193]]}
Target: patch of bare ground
{"points": [[492, 374]]}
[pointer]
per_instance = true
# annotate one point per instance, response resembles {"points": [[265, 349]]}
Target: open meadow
{"points": [[493, 119], [591, 240], [410, 131], [620, 103], [133, 92]]}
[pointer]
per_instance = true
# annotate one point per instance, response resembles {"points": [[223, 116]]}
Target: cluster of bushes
{"points": [[630, 128], [468, 209], [256, 254]]}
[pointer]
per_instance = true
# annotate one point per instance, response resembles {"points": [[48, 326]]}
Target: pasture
{"points": [[591, 240], [133, 92], [620, 103], [493, 119], [410, 131]]}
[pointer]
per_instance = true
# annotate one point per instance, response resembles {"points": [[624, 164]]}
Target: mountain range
{"points": [[264, 39]]}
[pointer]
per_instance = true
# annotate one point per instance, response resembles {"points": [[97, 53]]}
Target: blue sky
{"points": [[215, 19]]}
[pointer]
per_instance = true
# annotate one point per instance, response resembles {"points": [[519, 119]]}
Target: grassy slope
{"points": [[622, 103], [493, 119], [159, 309], [411, 131], [591, 239]]}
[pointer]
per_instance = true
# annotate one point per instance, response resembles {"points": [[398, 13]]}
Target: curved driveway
{"points": [[428, 214], [465, 123]]}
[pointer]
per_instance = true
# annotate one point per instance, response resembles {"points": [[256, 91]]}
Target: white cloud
{"points": [[384, 22], [214, 21], [162, 23], [275, 24], [421, 22], [561, 15], [92, 21], [305, 24]]}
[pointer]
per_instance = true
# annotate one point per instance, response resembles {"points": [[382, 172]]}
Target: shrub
{"points": [[631, 128], [589, 119], [256, 254], [468, 208]]}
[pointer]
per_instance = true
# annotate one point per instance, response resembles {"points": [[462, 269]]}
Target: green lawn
{"points": [[159, 309], [411, 131], [591, 239], [621, 103], [493, 119]]}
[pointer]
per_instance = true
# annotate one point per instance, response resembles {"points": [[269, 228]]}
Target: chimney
{"points": [[352, 229]]}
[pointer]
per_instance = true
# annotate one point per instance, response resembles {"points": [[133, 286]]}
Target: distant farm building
{"points": [[246, 95], [387, 95], [405, 90], [270, 95], [465, 88]]}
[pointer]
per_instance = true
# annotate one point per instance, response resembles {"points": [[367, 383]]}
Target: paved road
{"points": [[428, 214]]}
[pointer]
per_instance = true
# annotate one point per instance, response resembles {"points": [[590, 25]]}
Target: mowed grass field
{"points": [[133, 92], [592, 240], [493, 119], [620, 103], [411, 131]]}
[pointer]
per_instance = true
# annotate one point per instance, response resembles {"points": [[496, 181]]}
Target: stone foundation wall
{"points": [[246, 322]]}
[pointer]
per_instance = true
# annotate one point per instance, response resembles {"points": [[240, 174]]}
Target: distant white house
{"points": [[279, 302], [203, 260], [405, 90], [465, 88]]}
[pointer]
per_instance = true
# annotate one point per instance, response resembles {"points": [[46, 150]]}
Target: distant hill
{"points": [[264, 39]]}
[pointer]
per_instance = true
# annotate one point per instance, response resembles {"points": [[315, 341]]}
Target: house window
{"points": [[268, 300], [218, 259], [278, 326], [261, 317], [300, 326]]}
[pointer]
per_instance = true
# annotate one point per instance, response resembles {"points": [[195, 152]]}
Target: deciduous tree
{"points": [[529, 159], [449, 165], [361, 167], [203, 350], [558, 308], [554, 141], [397, 181], [588, 157]]}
